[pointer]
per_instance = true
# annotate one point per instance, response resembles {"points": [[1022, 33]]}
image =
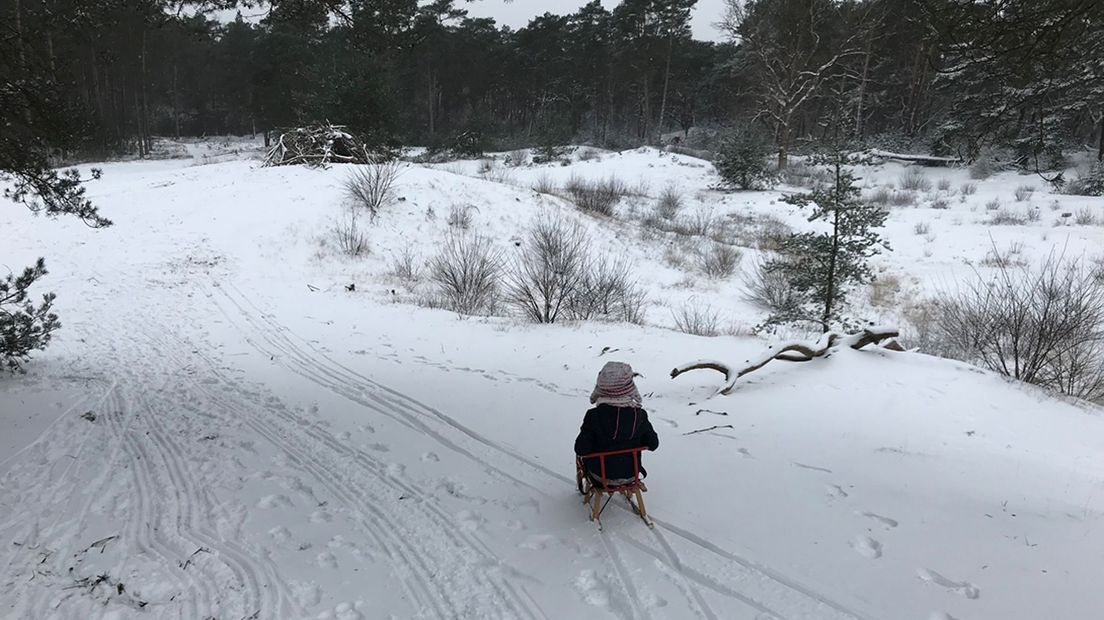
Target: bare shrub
{"points": [[496, 174], [1044, 326], [598, 197], [940, 203], [544, 185], [914, 180], [880, 197], [800, 174], [1085, 217], [944, 184], [608, 290], [1032, 214], [992, 205], [982, 168], [669, 203], [1024, 192], [698, 223], [698, 319], [720, 260], [768, 288], [921, 228], [771, 234], [349, 234], [968, 189], [1004, 217], [884, 290], [460, 216], [548, 271], [1009, 257], [517, 158], [405, 265], [373, 186], [902, 199], [586, 154], [466, 273]]}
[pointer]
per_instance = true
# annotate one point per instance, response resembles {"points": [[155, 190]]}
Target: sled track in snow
{"points": [[272, 338], [366, 494]]}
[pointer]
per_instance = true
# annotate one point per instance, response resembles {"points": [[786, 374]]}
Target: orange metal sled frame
{"points": [[593, 490]]}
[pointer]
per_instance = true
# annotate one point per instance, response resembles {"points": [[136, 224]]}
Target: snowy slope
{"points": [[262, 449]]}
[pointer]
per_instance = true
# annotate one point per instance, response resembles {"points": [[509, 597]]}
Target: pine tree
{"points": [[823, 266]]}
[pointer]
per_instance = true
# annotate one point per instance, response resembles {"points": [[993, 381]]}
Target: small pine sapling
{"points": [[823, 266]]}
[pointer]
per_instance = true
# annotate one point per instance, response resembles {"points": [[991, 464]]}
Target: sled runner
{"points": [[594, 487]]}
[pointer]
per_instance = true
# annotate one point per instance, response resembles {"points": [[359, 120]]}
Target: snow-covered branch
{"points": [[795, 351]]}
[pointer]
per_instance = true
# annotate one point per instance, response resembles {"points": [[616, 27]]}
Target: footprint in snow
{"points": [[280, 534], [514, 525], [652, 600], [326, 560], [320, 516], [538, 542], [593, 590], [941, 615], [469, 521], [867, 547], [378, 447], [269, 502], [344, 611], [965, 588], [836, 491], [306, 593], [886, 521], [430, 457]]}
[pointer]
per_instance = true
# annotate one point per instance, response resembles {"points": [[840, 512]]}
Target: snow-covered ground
{"points": [[221, 429]]}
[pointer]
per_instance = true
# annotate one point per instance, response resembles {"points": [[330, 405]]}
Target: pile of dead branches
{"points": [[796, 352], [317, 145]]}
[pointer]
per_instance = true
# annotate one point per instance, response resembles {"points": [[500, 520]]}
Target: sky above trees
{"points": [[517, 13]]}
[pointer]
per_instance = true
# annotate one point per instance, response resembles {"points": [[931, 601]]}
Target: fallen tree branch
{"points": [[795, 352]]}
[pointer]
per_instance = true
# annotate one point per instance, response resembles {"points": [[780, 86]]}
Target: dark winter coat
{"points": [[606, 428]]}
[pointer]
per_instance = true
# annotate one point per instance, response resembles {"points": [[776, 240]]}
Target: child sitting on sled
{"points": [[617, 422]]}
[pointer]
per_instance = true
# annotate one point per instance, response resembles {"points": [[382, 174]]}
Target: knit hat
{"points": [[615, 386]]}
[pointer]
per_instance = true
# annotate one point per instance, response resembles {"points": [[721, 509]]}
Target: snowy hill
{"points": [[222, 429]]}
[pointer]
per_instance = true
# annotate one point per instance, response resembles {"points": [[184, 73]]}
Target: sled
{"points": [[594, 489]]}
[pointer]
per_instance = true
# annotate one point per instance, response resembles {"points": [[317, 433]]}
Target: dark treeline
{"points": [[948, 76]]}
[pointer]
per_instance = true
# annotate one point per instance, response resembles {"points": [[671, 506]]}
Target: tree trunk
{"points": [[176, 103], [144, 110], [666, 81], [862, 94], [831, 284], [1100, 148]]}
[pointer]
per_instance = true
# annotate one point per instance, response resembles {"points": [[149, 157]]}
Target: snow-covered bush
{"points": [[598, 197], [373, 186], [1088, 183], [743, 161], [921, 228], [544, 185], [968, 189], [466, 273], [1023, 192], [696, 318], [1044, 325], [24, 327]]}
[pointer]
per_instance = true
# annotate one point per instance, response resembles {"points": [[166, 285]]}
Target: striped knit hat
{"points": [[615, 386]]}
